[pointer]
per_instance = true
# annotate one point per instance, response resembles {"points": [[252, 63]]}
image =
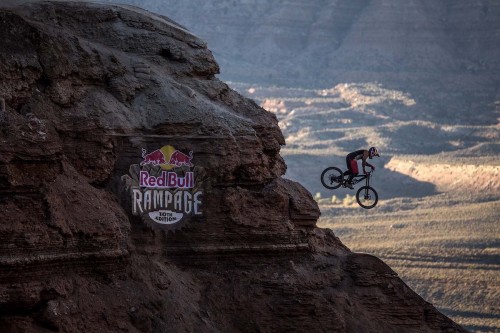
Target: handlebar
{"points": [[371, 171]]}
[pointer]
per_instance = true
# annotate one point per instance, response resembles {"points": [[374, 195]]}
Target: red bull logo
{"points": [[156, 157], [179, 159], [164, 188], [167, 157]]}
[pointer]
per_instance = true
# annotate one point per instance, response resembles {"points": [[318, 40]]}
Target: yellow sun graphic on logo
{"points": [[167, 151]]}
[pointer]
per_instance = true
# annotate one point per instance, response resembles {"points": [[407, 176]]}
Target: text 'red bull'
{"points": [[166, 180]]}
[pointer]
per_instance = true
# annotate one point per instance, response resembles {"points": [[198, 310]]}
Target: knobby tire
{"points": [[332, 172], [360, 197]]}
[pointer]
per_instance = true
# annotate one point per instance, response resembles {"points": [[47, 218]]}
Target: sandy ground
{"points": [[445, 247]]}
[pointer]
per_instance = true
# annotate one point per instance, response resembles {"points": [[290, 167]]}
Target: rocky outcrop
{"points": [[100, 100]]}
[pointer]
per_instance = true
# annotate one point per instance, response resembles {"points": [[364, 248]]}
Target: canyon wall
{"points": [[445, 54]]}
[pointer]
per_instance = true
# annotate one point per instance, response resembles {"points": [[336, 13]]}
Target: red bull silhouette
{"points": [[156, 157], [178, 159]]}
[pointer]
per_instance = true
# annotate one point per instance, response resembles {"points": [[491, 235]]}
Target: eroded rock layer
{"points": [[86, 90]]}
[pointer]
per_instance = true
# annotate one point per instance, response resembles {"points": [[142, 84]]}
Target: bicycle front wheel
{"points": [[332, 177], [367, 197]]}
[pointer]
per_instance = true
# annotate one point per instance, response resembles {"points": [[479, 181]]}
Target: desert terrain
{"points": [[436, 223], [418, 80]]}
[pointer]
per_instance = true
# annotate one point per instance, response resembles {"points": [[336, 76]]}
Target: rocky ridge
{"points": [[444, 53], [85, 87]]}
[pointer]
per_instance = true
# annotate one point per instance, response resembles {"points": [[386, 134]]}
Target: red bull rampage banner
{"points": [[163, 187]]}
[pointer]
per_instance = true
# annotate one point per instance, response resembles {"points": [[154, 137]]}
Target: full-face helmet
{"points": [[373, 152]]}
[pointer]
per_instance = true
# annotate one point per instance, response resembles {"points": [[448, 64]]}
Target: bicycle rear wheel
{"points": [[367, 197], [332, 178]]}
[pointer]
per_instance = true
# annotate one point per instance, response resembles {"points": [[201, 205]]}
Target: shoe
{"points": [[349, 184]]}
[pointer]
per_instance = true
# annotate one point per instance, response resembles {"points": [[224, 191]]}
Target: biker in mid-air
{"points": [[352, 164]]}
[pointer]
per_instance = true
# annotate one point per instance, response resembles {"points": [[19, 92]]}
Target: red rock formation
{"points": [[86, 87]]}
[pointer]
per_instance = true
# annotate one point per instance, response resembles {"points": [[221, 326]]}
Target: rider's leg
{"points": [[349, 168], [354, 170], [351, 176]]}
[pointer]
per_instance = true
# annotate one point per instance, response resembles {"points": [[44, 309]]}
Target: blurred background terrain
{"points": [[418, 79]]}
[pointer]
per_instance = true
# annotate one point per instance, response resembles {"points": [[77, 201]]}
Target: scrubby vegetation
{"points": [[444, 247]]}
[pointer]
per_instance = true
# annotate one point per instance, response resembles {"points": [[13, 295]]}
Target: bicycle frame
{"points": [[358, 178]]}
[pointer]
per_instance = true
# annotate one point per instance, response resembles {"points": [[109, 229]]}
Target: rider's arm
{"points": [[364, 162]]}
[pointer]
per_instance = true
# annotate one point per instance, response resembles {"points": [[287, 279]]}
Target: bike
{"points": [[366, 196]]}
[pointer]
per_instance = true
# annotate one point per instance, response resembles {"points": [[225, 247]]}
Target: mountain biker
{"points": [[352, 164]]}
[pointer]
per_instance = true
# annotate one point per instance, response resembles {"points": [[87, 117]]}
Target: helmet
{"points": [[373, 152]]}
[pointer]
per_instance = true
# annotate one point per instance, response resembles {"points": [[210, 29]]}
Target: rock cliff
{"points": [[111, 112]]}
